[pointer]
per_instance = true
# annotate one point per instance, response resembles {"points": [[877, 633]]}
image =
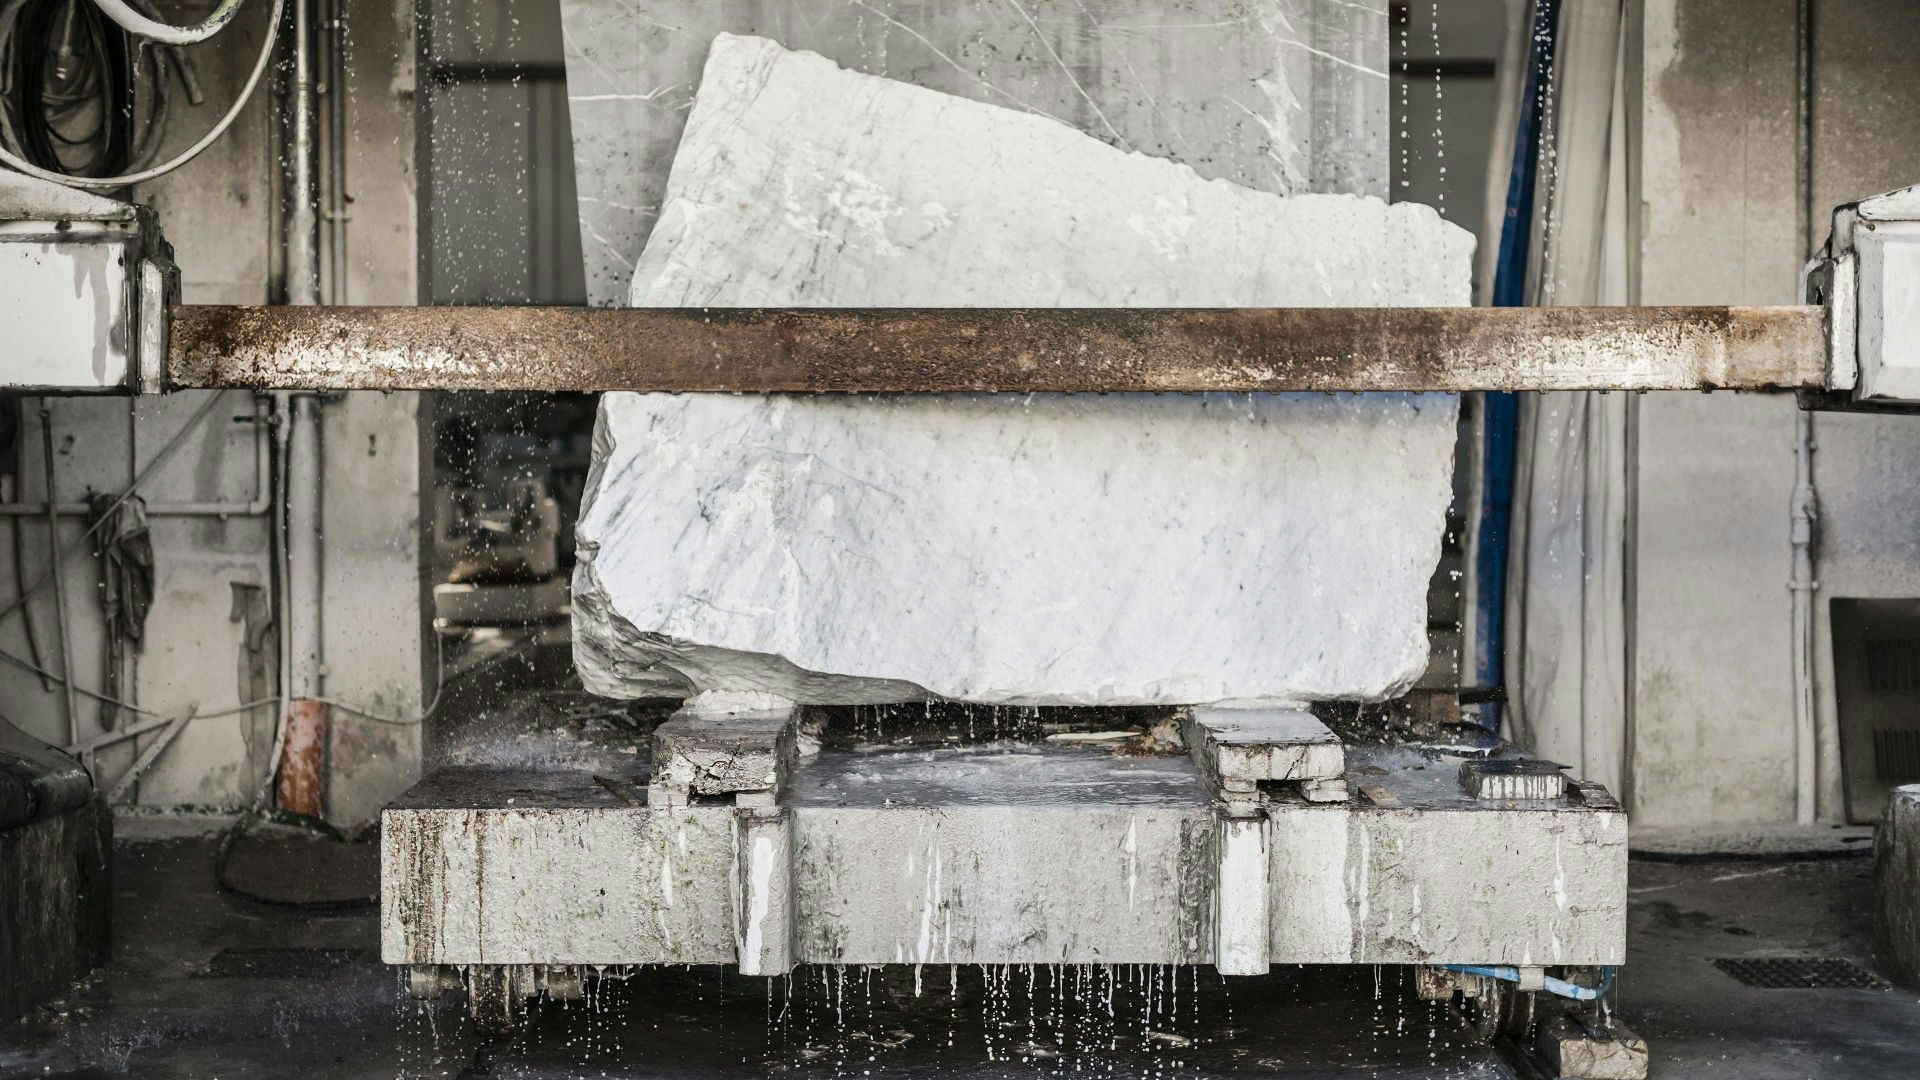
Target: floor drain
{"points": [[1799, 972], [278, 963]]}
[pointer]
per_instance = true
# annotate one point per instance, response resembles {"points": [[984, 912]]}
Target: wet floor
{"points": [[999, 1021], [209, 985], [1703, 1022]]}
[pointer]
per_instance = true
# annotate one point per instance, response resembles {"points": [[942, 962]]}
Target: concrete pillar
{"points": [[1241, 928], [763, 894], [1896, 886]]}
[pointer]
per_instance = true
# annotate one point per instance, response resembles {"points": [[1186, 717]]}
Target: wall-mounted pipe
{"points": [[302, 235], [1804, 506], [1804, 511], [301, 751], [336, 215]]}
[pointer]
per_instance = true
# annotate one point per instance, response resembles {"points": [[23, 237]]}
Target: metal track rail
{"points": [[998, 350]]}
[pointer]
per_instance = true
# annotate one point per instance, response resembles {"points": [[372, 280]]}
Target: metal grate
{"points": [[1799, 973], [1896, 755], [1893, 664], [278, 963]]}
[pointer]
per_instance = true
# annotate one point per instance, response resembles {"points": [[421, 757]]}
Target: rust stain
{"points": [[1006, 350]]}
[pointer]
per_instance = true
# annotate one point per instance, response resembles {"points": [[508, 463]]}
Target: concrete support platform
{"points": [[1000, 854]]}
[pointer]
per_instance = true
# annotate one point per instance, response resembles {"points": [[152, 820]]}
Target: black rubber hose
{"points": [[108, 68], [342, 906]]}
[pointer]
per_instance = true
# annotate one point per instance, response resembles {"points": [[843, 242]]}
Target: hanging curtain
{"points": [[1564, 634]]}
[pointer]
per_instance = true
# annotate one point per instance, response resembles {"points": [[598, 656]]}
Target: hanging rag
{"points": [[125, 547]]}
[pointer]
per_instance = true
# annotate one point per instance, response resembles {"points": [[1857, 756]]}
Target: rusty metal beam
{"points": [[1012, 350]]}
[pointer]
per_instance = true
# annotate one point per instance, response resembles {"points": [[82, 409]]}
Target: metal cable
{"points": [[185, 156], [66, 66]]}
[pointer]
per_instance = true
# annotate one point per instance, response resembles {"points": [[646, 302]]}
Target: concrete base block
{"points": [[1896, 887], [54, 904], [1242, 926], [1574, 1052], [1034, 854]]}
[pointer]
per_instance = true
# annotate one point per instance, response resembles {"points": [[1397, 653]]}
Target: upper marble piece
{"points": [[1284, 96], [1004, 549], [800, 183]]}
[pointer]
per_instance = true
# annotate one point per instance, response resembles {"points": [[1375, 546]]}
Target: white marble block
{"points": [[1005, 549]]}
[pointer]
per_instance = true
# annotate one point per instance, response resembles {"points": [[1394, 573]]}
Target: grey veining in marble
{"points": [[1044, 550], [1285, 96]]}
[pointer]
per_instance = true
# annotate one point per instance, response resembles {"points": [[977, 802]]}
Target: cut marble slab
{"points": [[1237, 750], [1018, 550]]}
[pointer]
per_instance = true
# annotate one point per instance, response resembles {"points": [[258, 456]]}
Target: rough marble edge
{"points": [[723, 753], [1319, 95]]}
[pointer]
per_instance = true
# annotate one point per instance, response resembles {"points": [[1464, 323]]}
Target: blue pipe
{"points": [[1502, 410], [1556, 987]]}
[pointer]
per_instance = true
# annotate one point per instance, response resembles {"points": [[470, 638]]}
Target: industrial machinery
{"points": [[786, 838]]}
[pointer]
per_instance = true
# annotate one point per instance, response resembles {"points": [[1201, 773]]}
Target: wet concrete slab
{"points": [[161, 1011], [328, 1009]]}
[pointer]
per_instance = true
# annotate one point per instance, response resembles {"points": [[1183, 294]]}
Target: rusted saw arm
{"points": [[819, 350]]}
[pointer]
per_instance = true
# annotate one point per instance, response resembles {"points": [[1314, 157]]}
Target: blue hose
{"points": [[1556, 987]]}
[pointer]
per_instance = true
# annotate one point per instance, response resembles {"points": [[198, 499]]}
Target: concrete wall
{"points": [[1866, 139], [219, 214], [1712, 712], [375, 630]]}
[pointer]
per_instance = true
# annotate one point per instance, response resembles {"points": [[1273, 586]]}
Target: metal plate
{"points": [[1006, 350], [1799, 973]]}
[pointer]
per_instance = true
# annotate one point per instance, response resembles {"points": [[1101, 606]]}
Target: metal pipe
{"points": [[1804, 511], [257, 506], [61, 612], [16, 538], [302, 749], [1803, 87], [302, 195], [1804, 508], [336, 213], [1004, 350], [303, 543], [283, 423]]}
